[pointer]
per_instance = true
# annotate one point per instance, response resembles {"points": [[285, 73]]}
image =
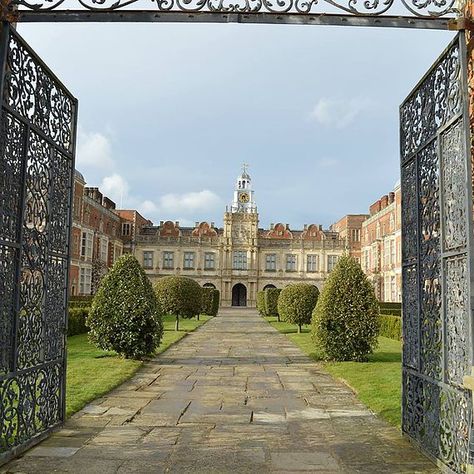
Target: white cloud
{"points": [[192, 202], [147, 207], [94, 150], [339, 113], [116, 188]]}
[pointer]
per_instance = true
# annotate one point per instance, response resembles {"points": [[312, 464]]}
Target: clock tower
{"points": [[244, 200]]}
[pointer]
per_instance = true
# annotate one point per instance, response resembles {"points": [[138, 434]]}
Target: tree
{"points": [[345, 321], [124, 316], [261, 303], [296, 303], [271, 296], [178, 296]]}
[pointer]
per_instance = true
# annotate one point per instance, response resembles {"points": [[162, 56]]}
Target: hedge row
{"points": [[77, 321], [394, 309], [80, 301], [261, 303], [391, 326], [271, 302]]}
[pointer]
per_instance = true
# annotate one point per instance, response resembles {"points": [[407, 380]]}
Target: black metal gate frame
{"points": [[429, 14], [37, 147]]}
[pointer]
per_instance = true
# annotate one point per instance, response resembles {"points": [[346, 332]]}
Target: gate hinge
{"points": [[459, 24]]}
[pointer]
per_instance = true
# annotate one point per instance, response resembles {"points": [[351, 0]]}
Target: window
{"points": [[355, 235], [240, 260], [367, 260], [188, 263], [332, 260], [392, 252], [392, 223], [291, 262], [386, 254], [126, 228], [117, 252], [86, 244], [393, 288], [270, 262], [378, 231], [85, 279], [168, 260], [147, 259], [312, 263], [209, 261], [104, 250]]}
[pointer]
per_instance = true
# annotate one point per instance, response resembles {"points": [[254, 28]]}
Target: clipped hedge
{"points": [[76, 323], [124, 316], [210, 301], [261, 303], [394, 309], [390, 326], [80, 301], [179, 296], [296, 303], [271, 302], [345, 321]]}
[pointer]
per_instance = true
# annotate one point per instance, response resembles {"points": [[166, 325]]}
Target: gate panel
{"points": [[37, 145], [437, 238]]}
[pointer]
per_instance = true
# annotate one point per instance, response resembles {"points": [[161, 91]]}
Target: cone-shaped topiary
{"points": [[210, 301], [296, 303], [124, 316], [178, 296], [345, 321], [216, 301], [271, 302], [261, 303]]}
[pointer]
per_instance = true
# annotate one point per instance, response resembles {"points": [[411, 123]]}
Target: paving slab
{"points": [[235, 396]]}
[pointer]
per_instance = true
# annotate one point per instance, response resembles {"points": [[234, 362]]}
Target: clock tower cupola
{"points": [[244, 199]]}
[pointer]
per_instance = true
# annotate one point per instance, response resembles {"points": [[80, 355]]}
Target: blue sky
{"points": [[169, 112]]}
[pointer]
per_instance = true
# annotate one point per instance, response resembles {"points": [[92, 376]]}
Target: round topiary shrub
{"points": [[345, 321], [296, 303], [124, 316], [261, 303], [210, 301], [271, 296], [179, 296]]}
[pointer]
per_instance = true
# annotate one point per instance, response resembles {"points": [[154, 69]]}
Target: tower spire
{"points": [[244, 200]]}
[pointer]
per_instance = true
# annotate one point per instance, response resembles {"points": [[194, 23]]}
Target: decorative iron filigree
{"points": [[411, 319], [432, 104], [36, 172], [454, 171], [423, 9], [458, 351], [430, 281], [436, 411]]}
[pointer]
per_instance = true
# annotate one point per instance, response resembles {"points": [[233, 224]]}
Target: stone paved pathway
{"points": [[235, 396]]}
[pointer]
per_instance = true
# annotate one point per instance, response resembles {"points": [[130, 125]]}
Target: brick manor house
{"points": [[240, 258]]}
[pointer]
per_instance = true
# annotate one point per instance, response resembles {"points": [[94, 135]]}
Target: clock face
{"points": [[244, 197]]}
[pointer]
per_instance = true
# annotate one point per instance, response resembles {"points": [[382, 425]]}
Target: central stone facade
{"points": [[239, 259]]}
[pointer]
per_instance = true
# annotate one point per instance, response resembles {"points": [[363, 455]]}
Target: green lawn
{"points": [[92, 372], [377, 382]]}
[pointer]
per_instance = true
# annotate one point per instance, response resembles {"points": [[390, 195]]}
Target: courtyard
{"points": [[233, 396]]}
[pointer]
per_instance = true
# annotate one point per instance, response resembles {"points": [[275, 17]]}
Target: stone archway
{"points": [[268, 287], [239, 295]]}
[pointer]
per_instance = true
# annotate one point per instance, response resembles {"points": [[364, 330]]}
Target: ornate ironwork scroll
{"points": [[437, 241], [434, 14], [37, 141]]}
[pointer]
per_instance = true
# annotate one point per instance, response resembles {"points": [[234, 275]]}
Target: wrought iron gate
{"points": [[437, 239], [37, 144]]}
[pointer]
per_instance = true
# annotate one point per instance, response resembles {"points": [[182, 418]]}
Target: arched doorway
{"points": [[239, 295], [267, 287], [209, 285]]}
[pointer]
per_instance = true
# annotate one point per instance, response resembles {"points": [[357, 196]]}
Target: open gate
{"points": [[37, 145], [437, 252]]}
